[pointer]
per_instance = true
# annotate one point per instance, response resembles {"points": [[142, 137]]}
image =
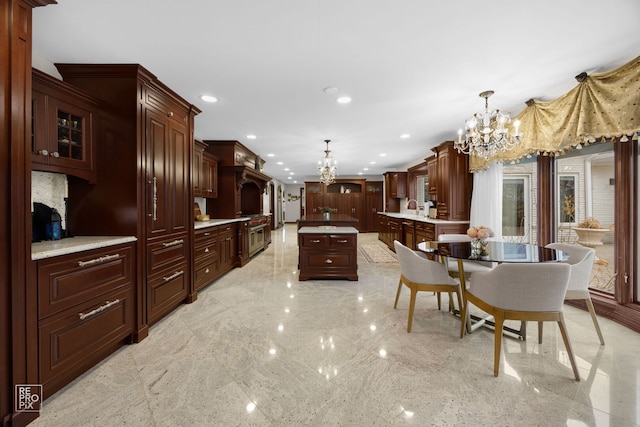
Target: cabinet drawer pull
{"points": [[173, 276], [228, 228], [170, 114], [343, 241], [174, 243], [328, 261], [97, 260], [207, 234], [99, 309], [206, 250], [206, 271], [314, 241], [228, 238]]}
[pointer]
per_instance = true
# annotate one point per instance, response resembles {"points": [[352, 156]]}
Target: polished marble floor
{"points": [[260, 348]]}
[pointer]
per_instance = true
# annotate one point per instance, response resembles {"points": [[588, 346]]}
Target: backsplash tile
{"points": [[50, 189]]}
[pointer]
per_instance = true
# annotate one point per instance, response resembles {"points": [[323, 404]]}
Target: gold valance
{"points": [[603, 106]]}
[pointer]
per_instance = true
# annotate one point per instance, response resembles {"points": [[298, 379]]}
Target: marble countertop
{"points": [[327, 229], [217, 221], [420, 218], [51, 248]]}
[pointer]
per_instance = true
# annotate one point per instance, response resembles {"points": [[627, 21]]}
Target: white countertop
{"points": [[51, 248], [327, 229], [217, 221], [420, 218]]}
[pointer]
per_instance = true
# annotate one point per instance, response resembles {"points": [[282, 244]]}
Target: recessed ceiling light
{"points": [[288, 177], [365, 169], [359, 173], [343, 100], [291, 173], [270, 155], [405, 136], [209, 98], [251, 136], [279, 163], [330, 90], [295, 182], [383, 154], [286, 169], [372, 163]]}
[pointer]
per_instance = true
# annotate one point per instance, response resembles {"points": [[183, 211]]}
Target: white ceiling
{"points": [[410, 66]]}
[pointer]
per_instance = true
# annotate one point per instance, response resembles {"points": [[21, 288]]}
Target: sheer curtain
{"points": [[486, 199]]}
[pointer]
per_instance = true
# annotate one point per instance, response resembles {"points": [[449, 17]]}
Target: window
{"points": [[516, 208], [422, 190], [567, 198]]}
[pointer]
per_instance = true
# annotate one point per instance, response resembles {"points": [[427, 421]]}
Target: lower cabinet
{"points": [[328, 256], [215, 251], [86, 310]]}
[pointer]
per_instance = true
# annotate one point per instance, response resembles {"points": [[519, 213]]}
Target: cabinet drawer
{"points": [[202, 236], [66, 281], [166, 290], [206, 273], [206, 249], [347, 240], [163, 253], [309, 240], [76, 339], [329, 260]]}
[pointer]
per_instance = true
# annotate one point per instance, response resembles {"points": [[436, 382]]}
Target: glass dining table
{"points": [[495, 252]]}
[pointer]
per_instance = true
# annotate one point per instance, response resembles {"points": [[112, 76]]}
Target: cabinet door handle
{"points": [[328, 261], [174, 243], [98, 260], [173, 276], [343, 241], [99, 309], [43, 152], [228, 238], [154, 198], [314, 241], [55, 154]]}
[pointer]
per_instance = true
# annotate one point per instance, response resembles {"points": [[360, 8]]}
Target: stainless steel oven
{"points": [[257, 227]]}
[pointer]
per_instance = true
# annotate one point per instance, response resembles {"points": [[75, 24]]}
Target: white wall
{"points": [[292, 202]]}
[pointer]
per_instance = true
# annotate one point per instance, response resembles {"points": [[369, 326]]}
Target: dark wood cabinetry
{"points": [[86, 309], [144, 183], [454, 183], [215, 252], [241, 182], [328, 254], [373, 198], [204, 172], [345, 197], [62, 136], [395, 188], [432, 172], [410, 232]]}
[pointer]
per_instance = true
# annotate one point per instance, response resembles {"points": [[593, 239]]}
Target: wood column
{"points": [[546, 196]]}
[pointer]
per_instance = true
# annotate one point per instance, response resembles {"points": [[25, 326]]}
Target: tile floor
{"points": [[260, 348]]}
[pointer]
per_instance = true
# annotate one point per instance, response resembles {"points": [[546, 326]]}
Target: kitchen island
{"points": [[328, 252], [339, 220]]}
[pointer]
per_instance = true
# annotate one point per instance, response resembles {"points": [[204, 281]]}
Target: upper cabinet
{"points": [[204, 172], [395, 188], [63, 120]]}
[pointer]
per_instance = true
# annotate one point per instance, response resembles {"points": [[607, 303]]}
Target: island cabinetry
{"points": [[62, 135], [144, 188], [328, 252], [86, 310]]}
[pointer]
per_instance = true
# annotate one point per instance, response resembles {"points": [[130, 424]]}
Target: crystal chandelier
{"points": [[486, 132], [327, 167]]}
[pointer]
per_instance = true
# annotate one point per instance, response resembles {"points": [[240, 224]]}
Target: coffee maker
{"points": [[46, 223]]}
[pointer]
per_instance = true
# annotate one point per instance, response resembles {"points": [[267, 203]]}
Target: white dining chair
{"points": [[581, 259], [521, 291], [422, 274]]}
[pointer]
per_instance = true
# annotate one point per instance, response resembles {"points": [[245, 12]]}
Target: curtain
{"points": [[486, 198], [602, 107]]}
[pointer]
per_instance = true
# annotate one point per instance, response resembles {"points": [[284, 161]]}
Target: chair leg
{"points": [[452, 305], [497, 348], [438, 296], [540, 332], [567, 344], [592, 310], [463, 316], [412, 304], [395, 305]]}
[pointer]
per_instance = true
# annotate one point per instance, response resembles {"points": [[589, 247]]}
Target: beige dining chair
{"points": [[521, 291], [581, 259], [422, 274]]}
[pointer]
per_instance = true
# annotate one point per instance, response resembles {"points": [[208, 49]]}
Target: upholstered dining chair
{"points": [[581, 260], [422, 274], [521, 291]]}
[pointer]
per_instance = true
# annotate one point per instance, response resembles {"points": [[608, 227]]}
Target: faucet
{"points": [[417, 207]]}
